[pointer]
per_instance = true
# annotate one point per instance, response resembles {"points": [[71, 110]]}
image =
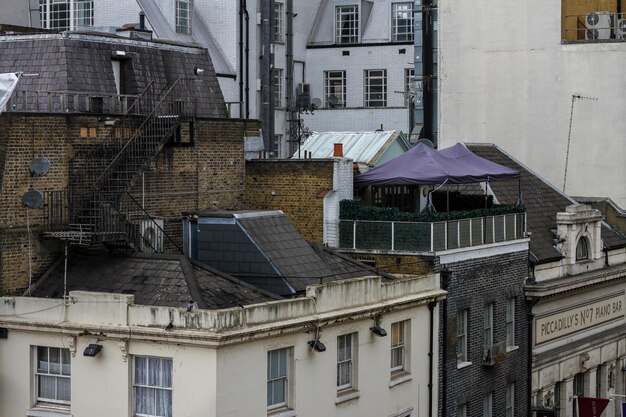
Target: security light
{"points": [[317, 345], [92, 350], [378, 331], [199, 71]]}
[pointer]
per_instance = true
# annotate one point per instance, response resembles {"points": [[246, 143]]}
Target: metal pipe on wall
{"points": [[267, 66]]}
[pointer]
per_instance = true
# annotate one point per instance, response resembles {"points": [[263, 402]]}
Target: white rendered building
{"points": [[253, 360], [355, 56], [509, 73]]}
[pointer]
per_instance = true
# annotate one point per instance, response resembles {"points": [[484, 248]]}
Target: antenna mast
{"points": [[569, 134]]}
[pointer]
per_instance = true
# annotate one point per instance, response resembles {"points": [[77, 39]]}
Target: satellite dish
{"points": [[32, 199], [316, 102], [332, 100], [40, 166], [426, 142]]}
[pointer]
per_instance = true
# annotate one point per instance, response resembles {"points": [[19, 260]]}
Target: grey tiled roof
{"points": [[159, 280], [81, 62], [542, 202]]}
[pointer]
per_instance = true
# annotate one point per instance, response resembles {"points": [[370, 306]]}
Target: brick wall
{"points": [[208, 175], [474, 283], [295, 187]]}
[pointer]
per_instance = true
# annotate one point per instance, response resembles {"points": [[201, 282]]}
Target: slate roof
{"points": [[81, 62], [542, 201], [153, 279]]}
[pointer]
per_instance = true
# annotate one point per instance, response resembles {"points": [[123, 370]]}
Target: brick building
{"points": [[93, 97]]}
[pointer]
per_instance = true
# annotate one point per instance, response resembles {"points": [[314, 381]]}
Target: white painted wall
{"points": [[343, 179], [219, 357], [506, 78]]}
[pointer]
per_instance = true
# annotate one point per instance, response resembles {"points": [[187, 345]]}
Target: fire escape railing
{"points": [[98, 203]]}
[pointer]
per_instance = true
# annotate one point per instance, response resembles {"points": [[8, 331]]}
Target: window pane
{"points": [[65, 359], [42, 359], [46, 386], [282, 365], [163, 402], [144, 400], [55, 361], [167, 373], [273, 364], [63, 387], [141, 371], [154, 372]]}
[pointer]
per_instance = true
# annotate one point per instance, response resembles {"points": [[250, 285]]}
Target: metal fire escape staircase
{"points": [[100, 208]]}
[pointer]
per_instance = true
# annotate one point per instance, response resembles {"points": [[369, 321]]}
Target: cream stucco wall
{"points": [[506, 78]]}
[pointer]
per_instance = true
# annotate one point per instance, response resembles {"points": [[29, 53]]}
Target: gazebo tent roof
{"points": [[422, 165]]}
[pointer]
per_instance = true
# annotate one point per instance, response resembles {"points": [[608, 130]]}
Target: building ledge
{"points": [[400, 378], [347, 395]]}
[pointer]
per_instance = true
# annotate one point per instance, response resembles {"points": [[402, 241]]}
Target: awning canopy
{"points": [[422, 165]]}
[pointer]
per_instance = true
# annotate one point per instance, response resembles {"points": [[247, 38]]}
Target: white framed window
{"points": [[402, 21], [510, 400], [152, 386], [409, 83], [375, 88], [183, 16], [510, 322], [346, 354], [399, 344], [276, 146], [53, 373], [462, 410], [347, 24], [487, 405], [277, 76], [335, 86], [488, 326], [278, 368], [461, 336], [65, 14], [279, 22], [582, 250]]}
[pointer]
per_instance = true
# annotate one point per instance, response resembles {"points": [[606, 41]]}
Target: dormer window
{"points": [[347, 24], [582, 250]]}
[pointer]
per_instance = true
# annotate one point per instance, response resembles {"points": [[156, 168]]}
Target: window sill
{"points": [[282, 412], [461, 365], [347, 395], [43, 411], [511, 348], [399, 378]]}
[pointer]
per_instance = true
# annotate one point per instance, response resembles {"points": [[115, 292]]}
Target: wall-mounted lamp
{"points": [[317, 345], [119, 54], [92, 350], [198, 71], [378, 331]]}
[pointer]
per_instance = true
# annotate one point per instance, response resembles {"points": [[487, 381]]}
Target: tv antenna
{"points": [[575, 97]]}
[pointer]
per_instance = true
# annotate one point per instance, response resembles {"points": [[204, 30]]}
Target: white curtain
{"points": [[153, 382], [7, 85]]}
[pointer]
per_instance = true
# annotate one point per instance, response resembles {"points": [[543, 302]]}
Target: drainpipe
{"points": [[291, 105], [427, 71], [241, 7], [529, 356], [247, 77], [267, 65], [431, 307], [445, 276]]}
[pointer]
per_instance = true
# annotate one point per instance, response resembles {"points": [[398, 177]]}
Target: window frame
{"points": [[39, 399], [285, 378], [510, 322], [351, 385], [461, 410], [461, 317], [278, 22], [183, 23], [582, 249], [409, 78], [350, 34], [488, 311], [397, 10], [578, 384], [402, 327], [370, 76], [509, 401], [332, 80], [277, 80], [152, 388], [488, 405]]}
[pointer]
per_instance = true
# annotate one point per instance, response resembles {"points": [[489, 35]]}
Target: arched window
{"points": [[582, 250]]}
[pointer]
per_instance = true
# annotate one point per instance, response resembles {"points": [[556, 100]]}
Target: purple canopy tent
{"points": [[422, 165]]}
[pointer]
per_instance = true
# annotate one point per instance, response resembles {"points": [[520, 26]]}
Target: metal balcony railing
{"points": [[595, 26], [72, 102], [430, 237]]}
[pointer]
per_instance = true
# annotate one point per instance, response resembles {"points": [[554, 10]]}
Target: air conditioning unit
{"points": [[151, 235], [598, 25], [620, 29]]}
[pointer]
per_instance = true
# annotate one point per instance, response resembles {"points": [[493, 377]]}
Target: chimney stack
{"points": [[338, 151]]}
